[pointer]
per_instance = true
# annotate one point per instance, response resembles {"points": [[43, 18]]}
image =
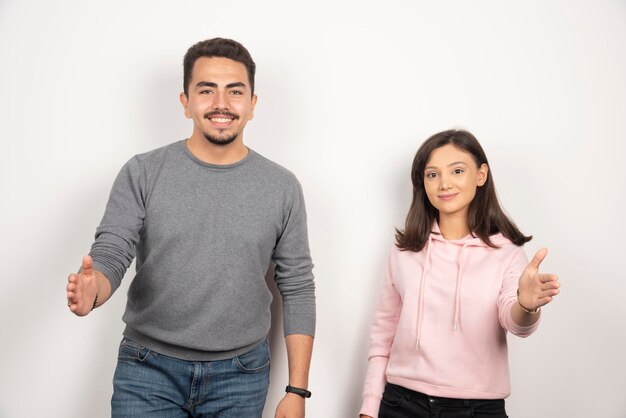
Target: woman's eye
{"points": [[458, 171], [431, 175]]}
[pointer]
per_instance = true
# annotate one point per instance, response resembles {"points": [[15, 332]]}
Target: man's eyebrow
{"points": [[206, 84], [237, 84], [214, 85]]}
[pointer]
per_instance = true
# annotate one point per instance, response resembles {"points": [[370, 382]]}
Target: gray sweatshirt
{"points": [[204, 236]]}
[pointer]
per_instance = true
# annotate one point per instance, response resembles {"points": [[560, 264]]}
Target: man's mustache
{"points": [[217, 113]]}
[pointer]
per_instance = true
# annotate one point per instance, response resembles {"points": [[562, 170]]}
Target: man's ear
{"points": [[254, 99], [184, 100]]}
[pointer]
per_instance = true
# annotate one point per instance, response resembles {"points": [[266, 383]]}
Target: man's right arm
{"points": [[88, 289], [114, 247]]}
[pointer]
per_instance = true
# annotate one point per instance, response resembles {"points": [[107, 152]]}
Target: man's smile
{"points": [[221, 116]]}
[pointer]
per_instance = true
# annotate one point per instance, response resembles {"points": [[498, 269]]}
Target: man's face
{"points": [[220, 100]]}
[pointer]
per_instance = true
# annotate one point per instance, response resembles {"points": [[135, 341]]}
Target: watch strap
{"points": [[298, 391]]}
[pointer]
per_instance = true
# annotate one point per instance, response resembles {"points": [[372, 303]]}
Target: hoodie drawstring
{"points": [[420, 311], [457, 297]]}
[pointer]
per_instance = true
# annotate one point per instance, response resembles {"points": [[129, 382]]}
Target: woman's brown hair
{"points": [[485, 216]]}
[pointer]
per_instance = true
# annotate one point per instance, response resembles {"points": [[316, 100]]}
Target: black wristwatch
{"points": [[298, 391]]}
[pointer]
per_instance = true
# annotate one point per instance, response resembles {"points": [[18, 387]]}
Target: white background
{"points": [[347, 92]]}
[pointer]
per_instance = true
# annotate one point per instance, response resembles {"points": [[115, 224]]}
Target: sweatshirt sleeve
{"points": [[118, 233], [508, 295], [293, 275], [383, 332]]}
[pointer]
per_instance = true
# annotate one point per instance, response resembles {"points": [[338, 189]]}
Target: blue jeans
{"points": [[148, 384]]}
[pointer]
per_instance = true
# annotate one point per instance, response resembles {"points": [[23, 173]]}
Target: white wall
{"points": [[347, 92]]}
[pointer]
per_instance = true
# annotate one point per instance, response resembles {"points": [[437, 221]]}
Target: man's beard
{"points": [[220, 140]]}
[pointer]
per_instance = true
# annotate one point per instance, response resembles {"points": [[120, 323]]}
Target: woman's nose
{"points": [[445, 183]]}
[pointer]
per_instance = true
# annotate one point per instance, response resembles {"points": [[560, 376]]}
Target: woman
{"points": [[457, 280]]}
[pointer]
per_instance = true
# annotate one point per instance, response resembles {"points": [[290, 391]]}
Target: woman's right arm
{"points": [[384, 327]]}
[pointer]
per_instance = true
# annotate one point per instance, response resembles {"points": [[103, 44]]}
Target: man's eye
{"points": [[236, 92], [206, 91]]}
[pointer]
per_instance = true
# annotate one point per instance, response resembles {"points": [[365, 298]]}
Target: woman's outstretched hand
{"points": [[537, 289]]}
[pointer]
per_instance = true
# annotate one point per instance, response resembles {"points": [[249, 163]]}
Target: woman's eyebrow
{"points": [[451, 164]]}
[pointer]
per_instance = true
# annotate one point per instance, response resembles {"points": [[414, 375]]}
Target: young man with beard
{"points": [[205, 217]]}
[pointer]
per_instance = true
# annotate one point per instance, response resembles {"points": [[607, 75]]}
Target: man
{"points": [[205, 217]]}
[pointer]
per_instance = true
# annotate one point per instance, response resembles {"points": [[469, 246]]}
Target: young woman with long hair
{"points": [[457, 280]]}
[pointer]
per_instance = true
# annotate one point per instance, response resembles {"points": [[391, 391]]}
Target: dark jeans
{"points": [[400, 402]]}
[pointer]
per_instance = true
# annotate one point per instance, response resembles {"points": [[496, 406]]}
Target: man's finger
{"points": [[87, 264], [71, 278], [538, 258]]}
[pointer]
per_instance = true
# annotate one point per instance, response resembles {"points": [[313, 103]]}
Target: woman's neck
{"points": [[453, 227]]}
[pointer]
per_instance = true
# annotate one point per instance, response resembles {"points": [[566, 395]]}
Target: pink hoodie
{"points": [[441, 323]]}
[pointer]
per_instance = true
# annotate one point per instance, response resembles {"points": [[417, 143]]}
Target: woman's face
{"points": [[450, 180]]}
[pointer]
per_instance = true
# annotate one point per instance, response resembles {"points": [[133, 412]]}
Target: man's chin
{"points": [[220, 140]]}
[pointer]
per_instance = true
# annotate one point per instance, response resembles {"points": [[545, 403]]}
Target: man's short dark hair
{"points": [[217, 47]]}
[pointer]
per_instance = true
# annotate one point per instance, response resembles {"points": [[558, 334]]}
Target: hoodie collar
{"points": [[468, 240]]}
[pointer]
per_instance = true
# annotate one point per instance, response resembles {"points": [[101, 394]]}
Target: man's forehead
{"points": [[219, 66]]}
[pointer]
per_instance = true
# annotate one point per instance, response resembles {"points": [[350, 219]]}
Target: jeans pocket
{"points": [[130, 350], [391, 396], [255, 360]]}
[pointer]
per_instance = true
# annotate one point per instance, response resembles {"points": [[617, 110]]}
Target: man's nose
{"points": [[220, 100]]}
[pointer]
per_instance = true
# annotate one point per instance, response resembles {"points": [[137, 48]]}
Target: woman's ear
{"points": [[483, 174]]}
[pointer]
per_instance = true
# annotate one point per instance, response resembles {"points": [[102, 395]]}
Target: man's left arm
{"points": [[299, 349], [295, 282]]}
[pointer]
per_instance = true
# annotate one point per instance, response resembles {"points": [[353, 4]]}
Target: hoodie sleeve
{"points": [[508, 294], [383, 331]]}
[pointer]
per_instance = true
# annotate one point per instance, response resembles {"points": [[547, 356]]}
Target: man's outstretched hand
{"points": [[82, 288]]}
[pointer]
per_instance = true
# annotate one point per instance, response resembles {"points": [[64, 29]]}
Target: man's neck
{"points": [[217, 154]]}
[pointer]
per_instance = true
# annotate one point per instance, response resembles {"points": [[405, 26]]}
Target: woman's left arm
{"points": [[534, 290]]}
